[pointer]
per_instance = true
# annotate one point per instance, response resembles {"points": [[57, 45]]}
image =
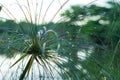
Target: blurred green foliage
{"points": [[99, 39], [0, 8], [101, 34]]}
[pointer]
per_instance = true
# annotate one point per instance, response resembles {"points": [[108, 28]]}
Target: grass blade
{"points": [[47, 11], [59, 10], [40, 12], [27, 68], [24, 55]]}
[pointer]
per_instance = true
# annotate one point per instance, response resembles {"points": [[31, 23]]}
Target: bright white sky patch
{"points": [[16, 11]]}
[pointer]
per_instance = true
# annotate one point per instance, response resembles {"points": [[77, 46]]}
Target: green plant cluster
{"points": [[92, 30]]}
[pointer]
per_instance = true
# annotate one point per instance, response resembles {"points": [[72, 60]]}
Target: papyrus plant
{"points": [[38, 47], [36, 43]]}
